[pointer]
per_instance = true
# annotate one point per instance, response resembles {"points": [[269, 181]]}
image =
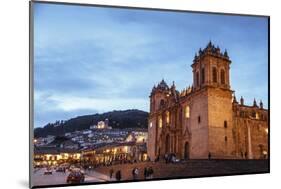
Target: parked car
{"points": [[75, 177]]}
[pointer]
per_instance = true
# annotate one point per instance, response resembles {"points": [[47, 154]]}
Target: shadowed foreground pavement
{"points": [[191, 168]]}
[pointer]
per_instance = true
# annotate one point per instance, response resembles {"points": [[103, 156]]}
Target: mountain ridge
{"points": [[118, 119]]}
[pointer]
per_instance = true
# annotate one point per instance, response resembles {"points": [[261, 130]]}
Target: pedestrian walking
{"points": [[145, 173], [118, 175], [111, 171], [209, 156], [150, 173], [135, 173]]}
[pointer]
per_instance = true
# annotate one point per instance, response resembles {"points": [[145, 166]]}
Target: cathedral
{"points": [[205, 121]]}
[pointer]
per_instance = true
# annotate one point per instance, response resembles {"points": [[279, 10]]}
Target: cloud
{"points": [[100, 59]]}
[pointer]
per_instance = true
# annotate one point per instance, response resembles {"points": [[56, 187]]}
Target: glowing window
{"points": [[257, 116], [160, 122], [167, 117], [187, 112]]}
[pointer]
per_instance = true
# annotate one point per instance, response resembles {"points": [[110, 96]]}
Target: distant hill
{"points": [[117, 119]]}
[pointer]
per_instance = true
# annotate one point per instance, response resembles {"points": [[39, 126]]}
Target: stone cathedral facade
{"points": [[205, 120]]}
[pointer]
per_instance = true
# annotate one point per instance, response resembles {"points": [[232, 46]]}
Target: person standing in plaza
{"points": [[150, 172], [135, 173], [118, 175], [145, 173], [111, 171]]}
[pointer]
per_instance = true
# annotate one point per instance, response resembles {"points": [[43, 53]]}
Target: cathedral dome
{"points": [[163, 85]]}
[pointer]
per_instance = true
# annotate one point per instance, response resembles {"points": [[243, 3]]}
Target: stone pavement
{"points": [[100, 176], [190, 168], [39, 179]]}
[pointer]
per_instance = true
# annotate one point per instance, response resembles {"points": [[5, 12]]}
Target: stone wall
{"points": [[199, 125], [251, 138], [221, 144]]}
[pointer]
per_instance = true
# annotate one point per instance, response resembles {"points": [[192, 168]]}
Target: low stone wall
{"points": [[191, 168]]}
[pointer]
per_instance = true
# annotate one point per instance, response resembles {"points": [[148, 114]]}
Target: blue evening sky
{"points": [[92, 60]]}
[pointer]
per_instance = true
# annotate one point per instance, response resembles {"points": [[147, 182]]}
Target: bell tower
{"points": [[211, 107], [211, 68], [158, 98]]}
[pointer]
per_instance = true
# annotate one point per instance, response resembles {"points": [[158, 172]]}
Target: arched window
{"points": [[167, 117], [214, 74], [162, 103], [197, 79], [202, 75], [187, 112], [222, 77], [257, 115], [160, 122]]}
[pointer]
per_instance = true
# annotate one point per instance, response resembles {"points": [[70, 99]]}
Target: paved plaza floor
{"points": [[161, 170]]}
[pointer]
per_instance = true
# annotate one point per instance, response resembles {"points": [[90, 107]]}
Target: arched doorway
{"points": [[186, 150], [167, 144]]}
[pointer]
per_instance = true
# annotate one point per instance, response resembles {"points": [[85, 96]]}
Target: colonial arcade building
{"points": [[205, 120]]}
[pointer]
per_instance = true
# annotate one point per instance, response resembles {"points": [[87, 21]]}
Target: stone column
{"points": [[250, 155]]}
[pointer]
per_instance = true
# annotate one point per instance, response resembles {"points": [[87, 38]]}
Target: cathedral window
{"points": [[257, 115], [187, 112], [225, 124], [159, 122], [222, 77], [150, 124], [197, 79], [167, 117], [202, 75], [162, 103], [225, 138], [199, 119], [214, 74]]}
